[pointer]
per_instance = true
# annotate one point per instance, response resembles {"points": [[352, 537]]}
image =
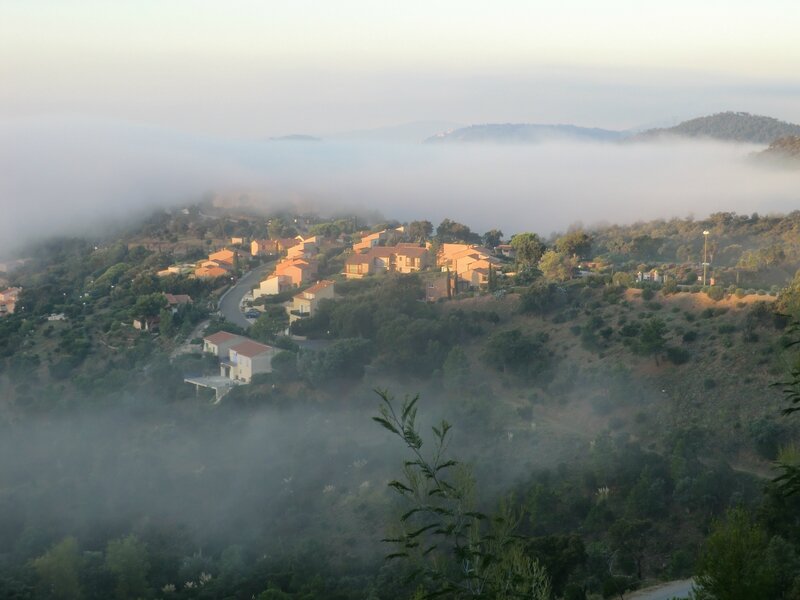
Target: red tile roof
{"points": [[178, 298], [415, 251], [250, 348], [221, 336], [319, 286]]}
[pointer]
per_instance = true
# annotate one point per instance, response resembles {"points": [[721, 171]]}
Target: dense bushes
{"points": [[518, 353]]}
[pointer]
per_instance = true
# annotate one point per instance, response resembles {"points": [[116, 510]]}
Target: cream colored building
{"points": [[246, 359], [306, 302]]}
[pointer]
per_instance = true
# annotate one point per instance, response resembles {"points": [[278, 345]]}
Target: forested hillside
{"points": [[727, 126], [611, 420]]}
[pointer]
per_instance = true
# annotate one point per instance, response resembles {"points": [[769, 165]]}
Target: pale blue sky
{"points": [[271, 67]]}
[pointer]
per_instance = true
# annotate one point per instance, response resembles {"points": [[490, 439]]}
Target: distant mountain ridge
{"points": [[524, 133], [726, 126], [411, 132]]}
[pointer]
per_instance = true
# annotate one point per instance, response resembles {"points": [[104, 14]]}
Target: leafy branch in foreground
{"points": [[455, 551], [788, 463]]}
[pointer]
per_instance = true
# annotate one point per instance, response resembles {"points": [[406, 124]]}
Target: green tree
{"points": [[272, 321], [652, 338], [59, 570], [732, 566], [452, 231], [420, 231], [455, 551], [149, 305], [166, 323], [622, 279], [127, 560], [528, 248], [575, 243], [492, 238], [788, 302], [455, 370], [517, 352], [492, 279], [557, 266]]}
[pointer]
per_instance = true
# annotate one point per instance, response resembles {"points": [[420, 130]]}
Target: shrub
{"points": [[716, 293], [690, 336], [648, 293], [678, 356], [630, 330], [739, 293]]}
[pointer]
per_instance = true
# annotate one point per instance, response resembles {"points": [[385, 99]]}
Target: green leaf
{"points": [[386, 424], [400, 487]]}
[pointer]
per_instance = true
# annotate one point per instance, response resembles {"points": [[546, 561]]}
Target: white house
{"points": [[246, 359], [272, 285]]}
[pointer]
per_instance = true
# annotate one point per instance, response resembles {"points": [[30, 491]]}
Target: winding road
{"points": [[666, 591], [232, 299]]}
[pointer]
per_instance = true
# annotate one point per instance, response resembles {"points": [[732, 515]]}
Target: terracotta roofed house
{"points": [[410, 258], [176, 300], [263, 247], [298, 270], [404, 258], [305, 303], [223, 256], [210, 272], [219, 343], [246, 359]]}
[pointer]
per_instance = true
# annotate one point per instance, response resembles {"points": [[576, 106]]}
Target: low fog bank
{"points": [[71, 176], [264, 477], [268, 478]]}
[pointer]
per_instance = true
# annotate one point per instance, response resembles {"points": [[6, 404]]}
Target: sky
{"points": [[110, 108], [270, 67]]}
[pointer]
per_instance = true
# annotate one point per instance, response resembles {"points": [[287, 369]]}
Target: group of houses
{"points": [[382, 252], [218, 264], [8, 300], [469, 265], [298, 266]]}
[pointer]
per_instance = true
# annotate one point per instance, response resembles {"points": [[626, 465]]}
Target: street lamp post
{"points": [[705, 256]]}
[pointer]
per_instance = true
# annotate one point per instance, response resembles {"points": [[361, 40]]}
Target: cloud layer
{"points": [[65, 176]]}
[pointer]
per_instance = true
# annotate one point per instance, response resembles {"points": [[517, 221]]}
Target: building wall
{"points": [[270, 286], [222, 348]]}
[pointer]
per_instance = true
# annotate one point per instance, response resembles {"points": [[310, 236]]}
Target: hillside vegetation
{"points": [[784, 150], [727, 126], [611, 421]]}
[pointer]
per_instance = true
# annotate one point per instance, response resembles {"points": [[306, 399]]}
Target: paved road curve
{"points": [[667, 591], [229, 306]]}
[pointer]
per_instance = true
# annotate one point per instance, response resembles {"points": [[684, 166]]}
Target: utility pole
{"points": [[705, 256]]}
